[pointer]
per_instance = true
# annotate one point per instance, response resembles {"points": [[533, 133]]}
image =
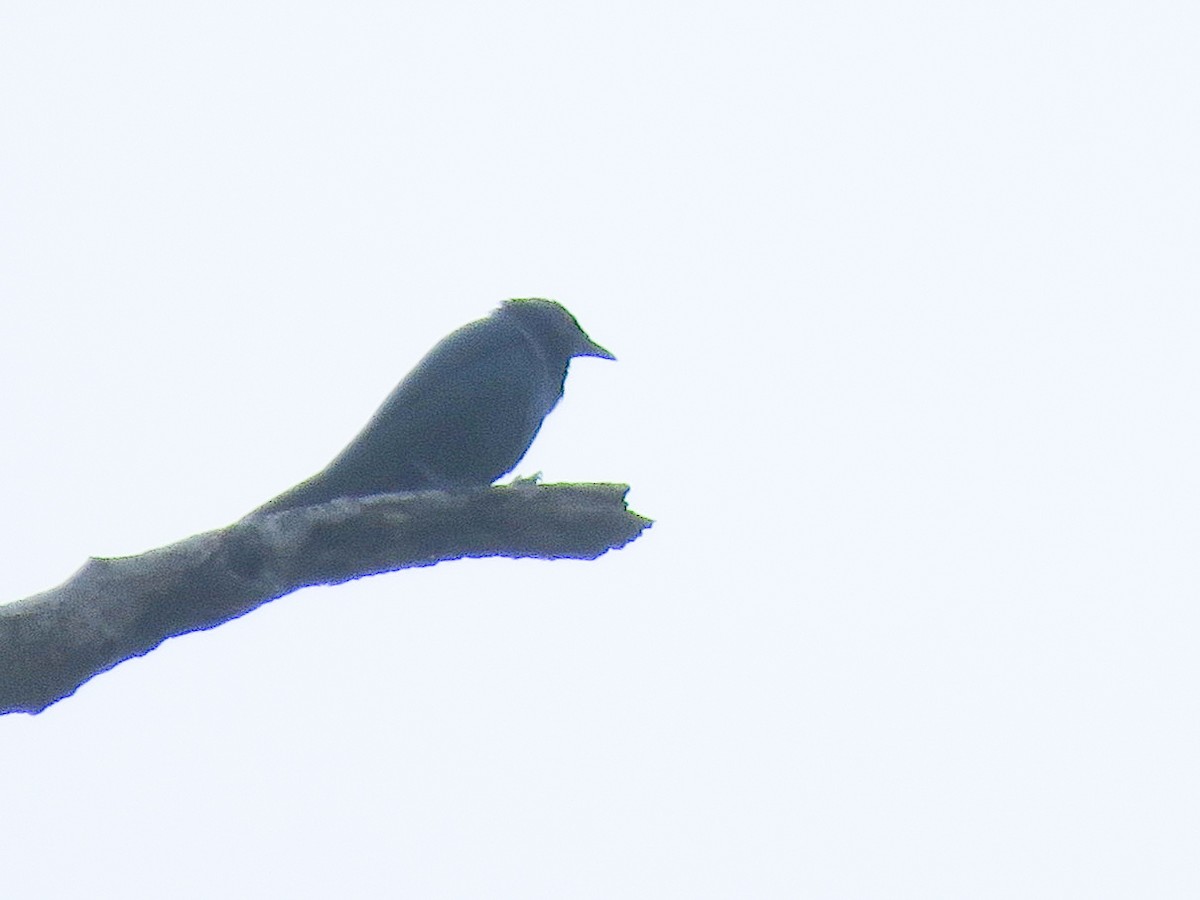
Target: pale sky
{"points": [[906, 300]]}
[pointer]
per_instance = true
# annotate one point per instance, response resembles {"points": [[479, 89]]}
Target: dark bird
{"points": [[465, 415]]}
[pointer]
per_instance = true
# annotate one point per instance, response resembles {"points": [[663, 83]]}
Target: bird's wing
{"points": [[464, 416]]}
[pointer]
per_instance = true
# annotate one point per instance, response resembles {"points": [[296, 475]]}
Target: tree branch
{"points": [[115, 609]]}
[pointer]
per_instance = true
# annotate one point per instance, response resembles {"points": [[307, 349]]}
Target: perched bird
{"points": [[465, 415]]}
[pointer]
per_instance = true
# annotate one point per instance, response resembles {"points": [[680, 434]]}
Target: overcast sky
{"points": [[906, 300]]}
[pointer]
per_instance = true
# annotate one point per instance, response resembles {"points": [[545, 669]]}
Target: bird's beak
{"points": [[588, 347]]}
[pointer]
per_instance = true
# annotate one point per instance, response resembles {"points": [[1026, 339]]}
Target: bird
{"points": [[465, 415]]}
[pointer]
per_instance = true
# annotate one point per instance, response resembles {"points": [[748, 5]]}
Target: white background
{"points": [[905, 300]]}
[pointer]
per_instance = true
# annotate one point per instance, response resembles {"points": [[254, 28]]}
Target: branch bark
{"points": [[115, 609]]}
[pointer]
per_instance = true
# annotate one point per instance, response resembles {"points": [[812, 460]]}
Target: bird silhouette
{"points": [[465, 415]]}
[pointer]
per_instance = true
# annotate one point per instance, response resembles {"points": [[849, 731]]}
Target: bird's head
{"points": [[553, 326]]}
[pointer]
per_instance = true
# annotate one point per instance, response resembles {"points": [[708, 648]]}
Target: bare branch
{"points": [[115, 609]]}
